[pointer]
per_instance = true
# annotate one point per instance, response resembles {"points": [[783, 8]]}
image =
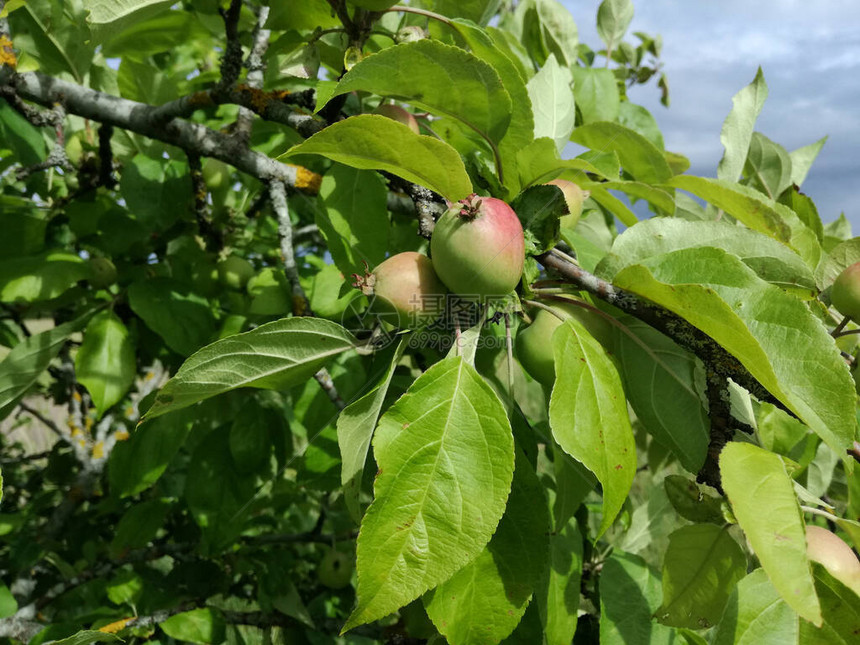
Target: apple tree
{"points": [[316, 329]]}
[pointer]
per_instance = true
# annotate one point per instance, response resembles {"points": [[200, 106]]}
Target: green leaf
{"points": [[840, 258], [768, 166], [139, 525], [661, 198], [638, 156], [8, 604], [559, 34], [109, 17], [274, 356], [756, 615], [539, 209], [146, 83], [196, 626], [558, 594], [588, 415], [539, 162], [659, 379], [439, 78], [802, 160], [552, 102], [105, 363], [160, 33], [86, 637], [157, 191], [521, 130], [596, 94], [690, 502], [355, 426], [764, 503], [640, 120], [840, 608], [354, 217], [182, 318], [702, 565], [24, 139], [137, 463], [446, 456], [738, 127], [23, 226], [484, 601], [771, 260], [773, 334], [375, 142], [613, 19], [29, 358], [40, 277], [613, 205], [629, 596]]}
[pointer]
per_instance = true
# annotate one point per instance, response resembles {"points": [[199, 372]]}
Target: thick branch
{"points": [[664, 321], [138, 117]]}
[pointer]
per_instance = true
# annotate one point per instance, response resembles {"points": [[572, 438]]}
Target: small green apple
{"points": [[102, 273], [845, 292], [234, 272], [335, 569], [534, 343]]}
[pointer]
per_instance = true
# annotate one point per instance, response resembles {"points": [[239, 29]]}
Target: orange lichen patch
{"points": [[121, 435], [113, 628], [300, 306], [200, 99], [307, 181], [258, 98], [7, 54], [98, 450]]}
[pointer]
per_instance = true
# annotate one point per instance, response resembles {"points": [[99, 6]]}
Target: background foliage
{"points": [[173, 175]]}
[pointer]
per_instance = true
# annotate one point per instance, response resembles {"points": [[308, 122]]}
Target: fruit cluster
{"points": [[478, 251]]}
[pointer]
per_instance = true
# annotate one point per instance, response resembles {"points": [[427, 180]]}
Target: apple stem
{"points": [[837, 331]]}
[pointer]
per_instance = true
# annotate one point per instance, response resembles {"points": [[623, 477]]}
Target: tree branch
{"points": [[139, 117], [256, 67], [300, 303], [664, 321]]}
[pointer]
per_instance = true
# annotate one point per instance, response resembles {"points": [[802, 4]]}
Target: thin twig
{"points": [[300, 303], [256, 65]]}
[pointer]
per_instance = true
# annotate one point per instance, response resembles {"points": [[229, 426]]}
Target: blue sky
{"points": [[810, 55]]}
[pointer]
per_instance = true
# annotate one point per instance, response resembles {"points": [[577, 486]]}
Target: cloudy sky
{"points": [[810, 55]]}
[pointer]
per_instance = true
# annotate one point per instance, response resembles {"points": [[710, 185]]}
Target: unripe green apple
{"points": [[404, 290], [836, 556], [335, 569], [102, 273], [216, 174], [845, 292], [398, 114], [270, 292], [235, 271], [574, 196], [534, 343], [478, 247]]}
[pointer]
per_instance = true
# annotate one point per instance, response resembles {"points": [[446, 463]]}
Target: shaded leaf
{"points": [[702, 565], [105, 363], [274, 356]]}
